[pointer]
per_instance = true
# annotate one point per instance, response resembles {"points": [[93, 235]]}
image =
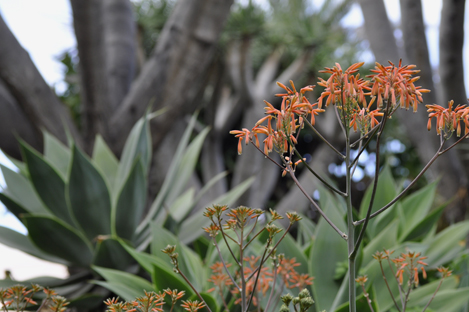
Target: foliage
{"points": [[76, 209]]}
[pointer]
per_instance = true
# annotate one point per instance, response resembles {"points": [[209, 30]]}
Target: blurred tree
{"points": [[166, 53], [452, 167]]}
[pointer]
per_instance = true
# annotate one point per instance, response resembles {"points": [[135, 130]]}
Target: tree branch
{"points": [[30, 91]]}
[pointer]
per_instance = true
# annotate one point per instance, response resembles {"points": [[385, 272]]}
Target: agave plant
{"points": [[76, 208]]}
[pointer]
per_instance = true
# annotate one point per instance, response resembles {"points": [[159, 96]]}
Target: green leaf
{"points": [[87, 302], [170, 177], [191, 228], [385, 192], [386, 239], [137, 145], [20, 190], [17, 163], [48, 183], [421, 295], [447, 244], [424, 226], [189, 262], [126, 285], [105, 160], [59, 239], [146, 260], [131, 202], [415, 207], [110, 254], [328, 250], [21, 242], [182, 205], [164, 278], [89, 197], [447, 300], [12, 206], [186, 167], [57, 154]]}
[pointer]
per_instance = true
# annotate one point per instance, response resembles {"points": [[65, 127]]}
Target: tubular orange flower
{"points": [[448, 119]]}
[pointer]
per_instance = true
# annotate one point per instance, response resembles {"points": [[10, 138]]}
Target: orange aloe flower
{"points": [[448, 119], [395, 85]]}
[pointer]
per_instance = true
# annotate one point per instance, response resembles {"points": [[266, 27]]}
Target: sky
{"points": [[45, 29]]}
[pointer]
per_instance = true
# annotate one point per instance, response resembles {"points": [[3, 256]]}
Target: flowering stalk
{"points": [[387, 88]]}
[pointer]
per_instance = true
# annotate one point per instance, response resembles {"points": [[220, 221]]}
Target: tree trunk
{"points": [[172, 76], [121, 48], [379, 31], [88, 22]]}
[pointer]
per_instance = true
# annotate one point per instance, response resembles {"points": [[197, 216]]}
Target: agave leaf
{"points": [[18, 164], [48, 183], [328, 249], [385, 192], [164, 278], [421, 295], [189, 262], [187, 166], [13, 239], [448, 300], [130, 204], [191, 228], [57, 238], [415, 207], [182, 205], [57, 154], [424, 226], [125, 285], [89, 197], [105, 160], [137, 145], [387, 239], [170, 177], [146, 260], [110, 254], [87, 302], [22, 192], [12, 206], [447, 244]]}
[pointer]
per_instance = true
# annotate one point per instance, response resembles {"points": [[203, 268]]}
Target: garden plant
{"points": [[361, 105]]}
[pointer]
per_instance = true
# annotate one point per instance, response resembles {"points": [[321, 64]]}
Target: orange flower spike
{"points": [[416, 276]]}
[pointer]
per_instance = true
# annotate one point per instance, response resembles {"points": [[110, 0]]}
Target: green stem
{"points": [[224, 265], [351, 230], [193, 288], [434, 294]]}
